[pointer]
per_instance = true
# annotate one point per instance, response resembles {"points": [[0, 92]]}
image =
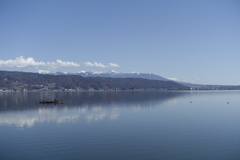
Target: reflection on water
{"points": [[27, 100], [121, 125], [21, 109], [63, 115]]}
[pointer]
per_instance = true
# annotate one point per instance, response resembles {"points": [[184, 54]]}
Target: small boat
{"points": [[52, 102]]}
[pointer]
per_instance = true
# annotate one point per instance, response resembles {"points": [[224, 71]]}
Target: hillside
{"points": [[41, 82]]}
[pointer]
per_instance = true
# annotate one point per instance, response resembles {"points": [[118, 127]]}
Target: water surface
{"points": [[121, 125]]}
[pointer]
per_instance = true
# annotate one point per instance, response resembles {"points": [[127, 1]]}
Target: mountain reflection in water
{"points": [[121, 125], [21, 108]]}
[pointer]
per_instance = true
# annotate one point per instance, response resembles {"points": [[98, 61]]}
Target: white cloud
{"points": [[113, 65], [59, 63], [173, 79], [95, 64], [47, 67], [21, 62]]}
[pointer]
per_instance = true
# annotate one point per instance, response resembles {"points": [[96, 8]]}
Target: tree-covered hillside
{"points": [[35, 81]]}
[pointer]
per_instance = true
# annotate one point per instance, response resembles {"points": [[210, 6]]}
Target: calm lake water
{"points": [[121, 125]]}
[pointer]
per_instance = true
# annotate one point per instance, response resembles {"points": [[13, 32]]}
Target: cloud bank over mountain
{"points": [[95, 64], [21, 62]]}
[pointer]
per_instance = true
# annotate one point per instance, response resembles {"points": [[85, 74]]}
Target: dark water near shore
{"points": [[121, 125]]}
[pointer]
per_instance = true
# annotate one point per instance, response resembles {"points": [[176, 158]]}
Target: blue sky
{"points": [[188, 40]]}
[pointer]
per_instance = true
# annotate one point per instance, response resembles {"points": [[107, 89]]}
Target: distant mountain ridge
{"points": [[150, 76], [113, 74], [22, 81]]}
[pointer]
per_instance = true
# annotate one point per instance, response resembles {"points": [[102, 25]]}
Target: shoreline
{"points": [[7, 91]]}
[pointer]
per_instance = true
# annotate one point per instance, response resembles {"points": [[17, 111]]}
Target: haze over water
{"points": [[121, 125]]}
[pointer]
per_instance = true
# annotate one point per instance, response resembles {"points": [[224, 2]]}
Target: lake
{"points": [[168, 125]]}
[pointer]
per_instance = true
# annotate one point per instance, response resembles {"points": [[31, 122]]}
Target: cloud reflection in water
{"points": [[20, 109], [30, 117]]}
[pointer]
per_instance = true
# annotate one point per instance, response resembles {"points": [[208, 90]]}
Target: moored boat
{"points": [[52, 102]]}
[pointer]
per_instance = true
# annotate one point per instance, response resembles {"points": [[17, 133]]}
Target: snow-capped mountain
{"points": [[113, 74]]}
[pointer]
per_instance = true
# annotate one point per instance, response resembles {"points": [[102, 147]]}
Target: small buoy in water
{"points": [[190, 101], [227, 102]]}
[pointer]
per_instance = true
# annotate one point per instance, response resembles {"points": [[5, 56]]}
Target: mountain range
{"points": [[150, 76], [20, 81], [82, 81]]}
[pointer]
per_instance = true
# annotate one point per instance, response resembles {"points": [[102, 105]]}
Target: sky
{"points": [[196, 41]]}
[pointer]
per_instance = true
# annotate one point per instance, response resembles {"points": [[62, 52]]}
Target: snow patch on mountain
{"points": [[112, 74], [81, 71]]}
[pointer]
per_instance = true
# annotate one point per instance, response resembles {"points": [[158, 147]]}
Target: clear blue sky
{"points": [[188, 40]]}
